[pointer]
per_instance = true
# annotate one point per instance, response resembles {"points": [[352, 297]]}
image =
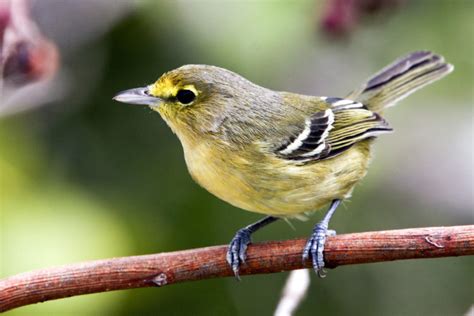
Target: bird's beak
{"points": [[137, 96]]}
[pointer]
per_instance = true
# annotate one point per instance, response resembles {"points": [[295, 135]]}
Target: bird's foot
{"points": [[236, 253], [315, 246]]}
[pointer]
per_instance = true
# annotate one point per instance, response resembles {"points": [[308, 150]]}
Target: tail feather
{"points": [[400, 79]]}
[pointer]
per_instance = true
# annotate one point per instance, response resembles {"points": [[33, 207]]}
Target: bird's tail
{"points": [[400, 79]]}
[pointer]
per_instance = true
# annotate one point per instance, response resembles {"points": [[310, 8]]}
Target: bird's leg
{"points": [[236, 253], [315, 246]]}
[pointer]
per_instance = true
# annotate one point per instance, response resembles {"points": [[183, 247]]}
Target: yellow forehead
{"points": [[166, 88]]}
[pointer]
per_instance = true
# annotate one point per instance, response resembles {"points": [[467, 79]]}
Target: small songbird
{"points": [[279, 153]]}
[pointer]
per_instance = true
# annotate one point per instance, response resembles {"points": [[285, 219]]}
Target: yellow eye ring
{"points": [[186, 94]]}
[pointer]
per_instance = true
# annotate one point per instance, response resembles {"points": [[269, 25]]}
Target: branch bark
{"points": [[205, 263]]}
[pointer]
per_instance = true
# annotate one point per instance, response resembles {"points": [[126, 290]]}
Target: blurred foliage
{"points": [[87, 178]]}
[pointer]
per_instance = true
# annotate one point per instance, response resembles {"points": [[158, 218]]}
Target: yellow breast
{"points": [[266, 184]]}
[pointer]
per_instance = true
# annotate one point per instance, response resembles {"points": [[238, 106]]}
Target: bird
{"points": [[281, 154]]}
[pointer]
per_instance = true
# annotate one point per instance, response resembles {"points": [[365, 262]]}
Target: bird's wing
{"points": [[329, 132]]}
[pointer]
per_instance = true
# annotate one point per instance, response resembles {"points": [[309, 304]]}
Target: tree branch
{"points": [[205, 263]]}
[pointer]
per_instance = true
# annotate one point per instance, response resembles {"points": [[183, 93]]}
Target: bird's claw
{"points": [[315, 246], [236, 253]]}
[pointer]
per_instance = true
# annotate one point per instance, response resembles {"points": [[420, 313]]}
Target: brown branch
{"points": [[204, 263]]}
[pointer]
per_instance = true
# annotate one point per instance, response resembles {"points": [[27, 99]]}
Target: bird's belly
{"points": [[274, 187]]}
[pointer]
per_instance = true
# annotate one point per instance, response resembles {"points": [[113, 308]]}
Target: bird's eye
{"points": [[185, 96]]}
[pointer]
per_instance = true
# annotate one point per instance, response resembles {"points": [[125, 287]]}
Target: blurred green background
{"points": [[85, 178]]}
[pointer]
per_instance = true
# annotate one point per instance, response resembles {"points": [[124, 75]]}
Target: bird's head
{"points": [[193, 97]]}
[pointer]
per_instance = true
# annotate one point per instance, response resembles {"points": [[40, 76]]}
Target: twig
{"points": [[205, 263], [294, 292]]}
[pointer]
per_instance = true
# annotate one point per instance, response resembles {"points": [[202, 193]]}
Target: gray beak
{"points": [[137, 96]]}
